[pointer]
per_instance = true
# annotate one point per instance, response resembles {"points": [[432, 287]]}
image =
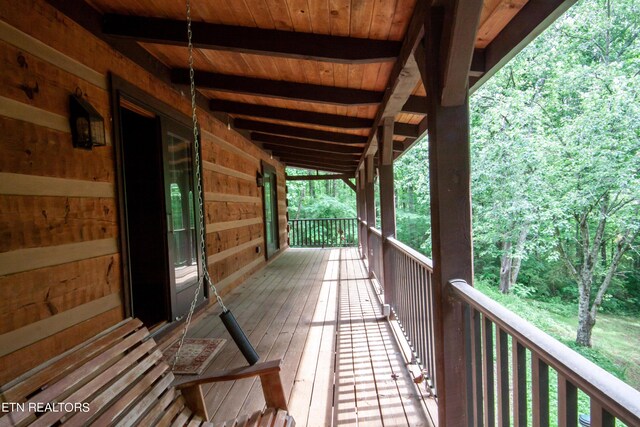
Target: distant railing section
{"points": [[375, 250], [323, 232], [411, 299], [500, 387]]}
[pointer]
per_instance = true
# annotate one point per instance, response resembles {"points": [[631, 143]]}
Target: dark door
{"points": [[144, 199], [270, 202], [182, 213]]}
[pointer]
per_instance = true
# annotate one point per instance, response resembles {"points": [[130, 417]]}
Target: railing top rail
{"points": [[375, 231], [411, 252], [620, 399], [322, 219]]}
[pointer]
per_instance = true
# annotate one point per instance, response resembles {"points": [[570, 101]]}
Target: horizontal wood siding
{"points": [[60, 263]]}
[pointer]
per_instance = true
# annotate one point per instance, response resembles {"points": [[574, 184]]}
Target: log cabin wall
{"points": [[60, 266]]}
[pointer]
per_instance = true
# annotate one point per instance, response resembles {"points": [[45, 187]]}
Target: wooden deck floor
{"points": [[316, 309]]}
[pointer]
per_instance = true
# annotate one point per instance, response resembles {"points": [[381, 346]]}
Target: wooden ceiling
{"points": [[309, 80]]}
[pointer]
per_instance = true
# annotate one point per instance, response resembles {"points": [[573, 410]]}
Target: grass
{"points": [[616, 339]]}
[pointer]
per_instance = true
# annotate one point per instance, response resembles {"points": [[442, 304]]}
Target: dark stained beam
{"points": [[325, 159], [277, 88], [298, 132], [405, 129], [458, 44], [315, 166], [300, 116], [319, 47], [415, 105], [478, 63], [532, 20], [294, 143], [310, 154], [318, 177]]}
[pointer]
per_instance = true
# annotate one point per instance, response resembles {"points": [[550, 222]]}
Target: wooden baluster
{"points": [[567, 403], [502, 370], [487, 371], [540, 391], [476, 367], [519, 383], [600, 417]]}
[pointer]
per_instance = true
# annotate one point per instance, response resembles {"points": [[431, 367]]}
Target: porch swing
{"points": [[119, 376]]}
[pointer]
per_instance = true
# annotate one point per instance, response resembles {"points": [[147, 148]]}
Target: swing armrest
{"points": [[269, 373], [265, 368]]}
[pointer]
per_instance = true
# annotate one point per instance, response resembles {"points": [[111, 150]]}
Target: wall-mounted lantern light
{"points": [[87, 125], [259, 180]]}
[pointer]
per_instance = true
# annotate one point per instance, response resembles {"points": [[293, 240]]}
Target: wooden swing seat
{"points": [[118, 377]]}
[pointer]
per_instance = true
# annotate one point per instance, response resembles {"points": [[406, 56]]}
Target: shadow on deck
{"points": [[317, 310]]}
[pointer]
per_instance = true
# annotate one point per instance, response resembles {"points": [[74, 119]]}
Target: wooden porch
{"points": [[318, 311]]}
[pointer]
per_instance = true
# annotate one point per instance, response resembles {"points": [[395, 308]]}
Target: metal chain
{"points": [[196, 149]]}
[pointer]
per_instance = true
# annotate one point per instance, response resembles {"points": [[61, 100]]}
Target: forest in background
{"points": [[555, 152]]}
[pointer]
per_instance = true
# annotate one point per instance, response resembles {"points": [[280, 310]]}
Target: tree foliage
{"points": [[555, 151]]}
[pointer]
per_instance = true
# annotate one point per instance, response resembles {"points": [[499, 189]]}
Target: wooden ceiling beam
{"points": [[286, 114], [295, 143], [405, 129], [415, 105], [325, 159], [317, 177], [462, 18], [287, 44], [527, 24], [298, 132], [316, 166], [277, 88], [309, 152]]}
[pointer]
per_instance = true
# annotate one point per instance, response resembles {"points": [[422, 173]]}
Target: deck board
{"points": [[318, 311]]}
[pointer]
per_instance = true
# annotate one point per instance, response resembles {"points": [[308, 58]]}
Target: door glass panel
{"points": [[182, 232], [268, 209]]}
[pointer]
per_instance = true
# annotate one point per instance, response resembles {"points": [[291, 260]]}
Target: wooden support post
{"points": [[370, 204], [387, 203], [449, 172]]}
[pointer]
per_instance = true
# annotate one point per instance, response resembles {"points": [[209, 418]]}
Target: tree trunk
{"points": [[585, 324], [505, 268], [511, 261], [519, 254]]}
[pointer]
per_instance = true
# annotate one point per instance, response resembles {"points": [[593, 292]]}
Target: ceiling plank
{"points": [[298, 132], [299, 116], [277, 88], [287, 44], [458, 44], [533, 19], [405, 66]]}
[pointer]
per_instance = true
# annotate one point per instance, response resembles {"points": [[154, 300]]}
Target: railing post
{"points": [[387, 204], [370, 204], [449, 172]]}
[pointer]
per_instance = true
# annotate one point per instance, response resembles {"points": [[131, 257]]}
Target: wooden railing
{"points": [[512, 362], [323, 232], [410, 296], [375, 252], [509, 361]]}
